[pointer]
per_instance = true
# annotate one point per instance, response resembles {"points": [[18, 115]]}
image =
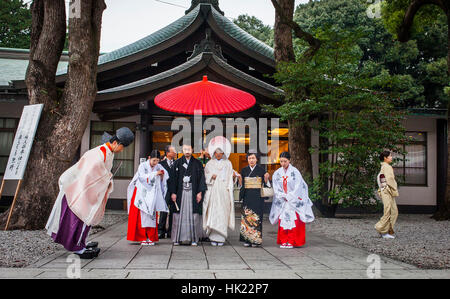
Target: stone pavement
{"points": [[319, 258]]}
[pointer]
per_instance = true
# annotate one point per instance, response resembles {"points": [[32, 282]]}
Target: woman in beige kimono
{"points": [[387, 192]]}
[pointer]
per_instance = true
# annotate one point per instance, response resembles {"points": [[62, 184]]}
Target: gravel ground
{"points": [[420, 240], [22, 248]]}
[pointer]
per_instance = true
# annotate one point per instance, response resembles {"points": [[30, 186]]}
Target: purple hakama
{"points": [[70, 233]]}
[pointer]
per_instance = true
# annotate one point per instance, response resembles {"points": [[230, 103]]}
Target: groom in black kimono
{"points": [[187, 188]]}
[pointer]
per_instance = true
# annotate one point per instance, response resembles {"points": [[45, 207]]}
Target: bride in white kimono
{"points": [[218, 204], [291, 206], [145, 198]]}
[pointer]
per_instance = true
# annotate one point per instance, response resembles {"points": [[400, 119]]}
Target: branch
{"points": [[37, 20], [404, 30], [48, 33], [298, 31]]}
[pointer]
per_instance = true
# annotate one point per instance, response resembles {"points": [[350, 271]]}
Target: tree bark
{"points": [[404, 31], [66, 113], [284, 17], [283, 43], [299, 135], [299, 145]]}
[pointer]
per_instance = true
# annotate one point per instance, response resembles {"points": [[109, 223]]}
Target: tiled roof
{"points": [[187, 65], [242, 36], [246, 76], [181, 24], [23, 53], [15, 69], [12, 69], [164, 34], [154, 78], [153, 39]]}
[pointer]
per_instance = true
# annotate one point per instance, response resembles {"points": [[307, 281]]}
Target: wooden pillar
{"points": [[145, 133], [441, 132]]}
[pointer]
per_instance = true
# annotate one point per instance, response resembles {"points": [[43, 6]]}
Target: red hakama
{"points": [[136, 232], [294, 236]]}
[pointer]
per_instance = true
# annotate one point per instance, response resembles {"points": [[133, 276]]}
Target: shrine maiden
{"points": [[146, 199], [291, 206]]}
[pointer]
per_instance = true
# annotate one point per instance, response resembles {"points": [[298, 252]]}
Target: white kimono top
{"points": [[218, 203], [86, 185], [285, 205], [150, 194]]}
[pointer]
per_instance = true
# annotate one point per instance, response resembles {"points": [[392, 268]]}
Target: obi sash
{"points": [[253, 182]]}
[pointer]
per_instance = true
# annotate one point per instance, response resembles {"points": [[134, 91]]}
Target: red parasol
{"points": [[210, 97]]}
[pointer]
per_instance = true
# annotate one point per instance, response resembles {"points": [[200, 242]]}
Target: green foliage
{"points": [[381, 52], [393, 12], [15, 24], [434, 75], [447, 90], [255, 27], [356, 112], [430, 29]]}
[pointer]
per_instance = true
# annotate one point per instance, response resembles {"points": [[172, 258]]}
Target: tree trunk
{"points": [[299, 136], [283, 43], [299, 145], [65, 115]]}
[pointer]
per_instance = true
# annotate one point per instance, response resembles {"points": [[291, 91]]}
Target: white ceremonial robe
{"points": [[150, 194], [87, 186], [218, 204], [285, 206]]}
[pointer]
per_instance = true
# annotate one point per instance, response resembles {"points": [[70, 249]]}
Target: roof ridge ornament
{"points": [[207, 45], [214, 3]]}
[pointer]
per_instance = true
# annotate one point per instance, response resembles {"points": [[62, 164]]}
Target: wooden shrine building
{"points": [[202, 42]]}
